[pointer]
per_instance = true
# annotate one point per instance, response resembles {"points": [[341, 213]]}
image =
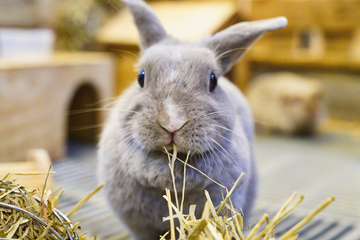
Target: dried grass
{"points": [[224, 222], [31, 215]]}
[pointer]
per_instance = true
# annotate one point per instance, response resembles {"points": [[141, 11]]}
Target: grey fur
{"points": [[146, 22], [215, 126]]}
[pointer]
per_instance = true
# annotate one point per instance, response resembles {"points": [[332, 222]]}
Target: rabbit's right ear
{"points": [[230, 44], [149, 26]]}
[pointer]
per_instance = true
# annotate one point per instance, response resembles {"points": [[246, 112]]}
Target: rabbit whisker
{"points": [[86, 127], [111, 100], [124, 51], [221, 165], [213, 113], [231, 50]]}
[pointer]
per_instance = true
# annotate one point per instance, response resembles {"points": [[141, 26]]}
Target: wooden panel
{"points": [[331, 15], [280, 52], [188, 20], [59, 59], [284, 58]]}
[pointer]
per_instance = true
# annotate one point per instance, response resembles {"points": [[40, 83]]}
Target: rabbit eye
{"points": [[141, 78], [213, 82]]}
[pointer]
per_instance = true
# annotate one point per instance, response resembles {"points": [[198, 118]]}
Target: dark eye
{"points": [[213, 82], [141, 78]]}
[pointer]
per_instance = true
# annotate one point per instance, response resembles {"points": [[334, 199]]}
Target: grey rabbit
{"points": [[181, 98]]}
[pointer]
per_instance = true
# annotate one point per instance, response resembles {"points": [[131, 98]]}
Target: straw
{"points": [[217, 224], [23, 215]]}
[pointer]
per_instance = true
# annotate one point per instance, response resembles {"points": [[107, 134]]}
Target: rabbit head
{"points": [[177, 98]]}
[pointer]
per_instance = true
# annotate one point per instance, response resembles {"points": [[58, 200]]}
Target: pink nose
{"points": [[173, 125]]}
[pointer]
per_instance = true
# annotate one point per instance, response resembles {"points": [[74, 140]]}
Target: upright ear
{"points": [[150, 29], [230, 44]]}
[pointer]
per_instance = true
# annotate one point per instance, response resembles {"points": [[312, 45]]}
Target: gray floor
{"points": [[318, 167]]}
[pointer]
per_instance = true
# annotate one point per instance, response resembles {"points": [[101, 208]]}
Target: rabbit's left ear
{"points": [[230, 44], [149, 26]]}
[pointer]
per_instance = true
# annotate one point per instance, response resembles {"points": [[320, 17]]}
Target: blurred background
{"points": [[62, 64]]}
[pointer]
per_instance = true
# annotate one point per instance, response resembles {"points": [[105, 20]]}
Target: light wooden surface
{"points": [[35, 98], [270, 52], [38, 161], [59, 59], [289, 58]]}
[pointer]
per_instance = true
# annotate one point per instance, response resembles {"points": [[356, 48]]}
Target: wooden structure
{"points": [[323, 34], [27, 13], [38, 161], [187, 20], [37, 100]]}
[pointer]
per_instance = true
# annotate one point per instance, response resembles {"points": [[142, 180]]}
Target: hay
{"points": [[31, 215], [224, 222]]}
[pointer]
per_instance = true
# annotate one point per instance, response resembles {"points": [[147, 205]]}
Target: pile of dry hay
{"points": [[224, 222], [31, 215]]}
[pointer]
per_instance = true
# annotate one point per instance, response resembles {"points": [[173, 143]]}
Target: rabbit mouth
{"points": [[171, 138], [169, 146]]}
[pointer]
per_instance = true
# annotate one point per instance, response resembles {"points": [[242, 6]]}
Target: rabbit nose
{"points": [[172, 125], [170, 118]]}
